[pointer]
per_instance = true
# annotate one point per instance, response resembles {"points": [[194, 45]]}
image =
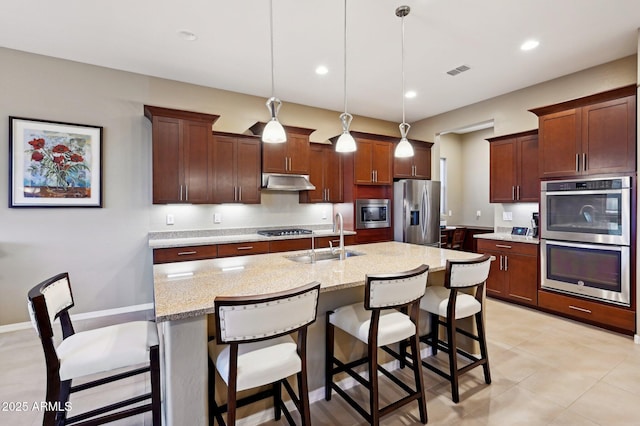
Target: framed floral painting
{"points": [[53, 164]]}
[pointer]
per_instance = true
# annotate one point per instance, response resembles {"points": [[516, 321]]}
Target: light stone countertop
{"points": [[503, 236], [184, 241], [192, 295]]}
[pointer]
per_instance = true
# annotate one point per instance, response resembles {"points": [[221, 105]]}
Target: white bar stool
{"points": [[379, 322], [255, 348], [452, 303]]}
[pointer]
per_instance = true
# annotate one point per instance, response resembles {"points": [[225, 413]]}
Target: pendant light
{"points": [[345, 142], [404, 148], [273, 132]]}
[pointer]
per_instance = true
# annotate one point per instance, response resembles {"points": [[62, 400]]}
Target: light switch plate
{"points": [[170, 219], [217, 218], [507, 216]]}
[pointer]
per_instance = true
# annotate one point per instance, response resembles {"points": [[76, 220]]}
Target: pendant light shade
{"points": [[273, 132], [404, 148], [345, 143]]}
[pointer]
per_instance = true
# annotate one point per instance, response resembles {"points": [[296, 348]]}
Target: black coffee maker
{"points": [[535, 221]]}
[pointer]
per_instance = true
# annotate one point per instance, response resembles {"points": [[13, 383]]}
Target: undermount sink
{"points": [[322, 255]]}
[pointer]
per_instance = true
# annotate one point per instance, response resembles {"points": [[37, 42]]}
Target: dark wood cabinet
{"points": [[513, 170], [290, 157], [183, 254], [236, 169], [305, 243], [373, 162], [243, 249], [588, 136], [181, 142], [416, 167], [514, 272], [326, 174]]}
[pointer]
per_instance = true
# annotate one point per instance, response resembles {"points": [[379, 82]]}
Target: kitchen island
{"points": [[184, 294]]}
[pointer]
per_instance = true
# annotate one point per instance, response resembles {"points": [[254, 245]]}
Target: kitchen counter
{"points": [[503, 236], [202, 238], [182, 303]]}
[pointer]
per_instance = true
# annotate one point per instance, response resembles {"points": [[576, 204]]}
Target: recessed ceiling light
{"points": [[529, 44], [187, 35], [322, 70], [410, 94]]}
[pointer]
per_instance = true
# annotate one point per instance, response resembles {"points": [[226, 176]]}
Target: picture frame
{"points": [[54, 164]]}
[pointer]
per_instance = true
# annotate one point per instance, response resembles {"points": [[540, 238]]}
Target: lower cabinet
{"points": [[243, 249], [183, 254], [514, 273]]}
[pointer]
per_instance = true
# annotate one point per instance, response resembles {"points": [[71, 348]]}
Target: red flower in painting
{"points": [[76, 158], [58, 159], [37, 143], [60, 149], [37, 156]]}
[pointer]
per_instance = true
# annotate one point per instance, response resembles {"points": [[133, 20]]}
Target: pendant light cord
{"points": [[403, 120], [273, 85], [345, 56]]}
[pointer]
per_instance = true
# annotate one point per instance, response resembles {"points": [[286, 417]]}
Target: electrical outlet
{"points": [[507, 216], [324, 214], [170, 219], [450, 213], [478, 213], [217, 218]]}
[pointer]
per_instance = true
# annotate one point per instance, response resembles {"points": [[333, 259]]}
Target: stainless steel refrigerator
{"points": [[416, 212]]}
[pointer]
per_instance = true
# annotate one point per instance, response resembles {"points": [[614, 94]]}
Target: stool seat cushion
{"points": [[355, 319], [106, 348], [436, 300], [259, 363]]}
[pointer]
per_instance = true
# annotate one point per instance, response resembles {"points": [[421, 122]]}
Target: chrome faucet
{"points": [[313, 248], [335, 224]]}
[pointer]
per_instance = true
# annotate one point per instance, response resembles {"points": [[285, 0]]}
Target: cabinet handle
{"points": [[584, 161], [180, 192], [239, 193], [577, 162], [506, 263], [235, 193], [376, 174], [289, 163], [186, 253], [286, 164], [513, 192], [503, 246], [501, 263], [518, 192], [575, 308], [373, 175], [245, 248], [186, 192]]}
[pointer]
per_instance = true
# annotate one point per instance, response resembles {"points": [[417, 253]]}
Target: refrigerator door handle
{"points": [[426, 214]]}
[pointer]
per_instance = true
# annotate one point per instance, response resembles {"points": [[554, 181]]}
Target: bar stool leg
{"points": [[483, 347], [328, 355], [373, 384], [277, 399], [435, 333], [453, 359], [303, 392], [154, 354], [417, 372]]}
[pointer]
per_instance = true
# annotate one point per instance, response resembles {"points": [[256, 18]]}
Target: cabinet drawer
{"points": [[609, 316], [323, 242], [182, 254], [242, 249], [507, 247], [289, 245]]}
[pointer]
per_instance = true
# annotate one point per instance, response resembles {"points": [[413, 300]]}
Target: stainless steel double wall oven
{"points": [[585, 235]]}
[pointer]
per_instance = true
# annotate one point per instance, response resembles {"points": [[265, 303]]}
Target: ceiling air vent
{"points": [[458, 70]]}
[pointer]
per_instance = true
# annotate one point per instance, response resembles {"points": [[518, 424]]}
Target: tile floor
{"points": [[546, 371]]}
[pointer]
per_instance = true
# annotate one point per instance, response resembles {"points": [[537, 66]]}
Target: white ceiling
{"points": [[232, 49]]}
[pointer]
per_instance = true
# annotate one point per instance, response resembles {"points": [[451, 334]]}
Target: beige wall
{"points": [[475, 178], [105, 250], [451, 149]]}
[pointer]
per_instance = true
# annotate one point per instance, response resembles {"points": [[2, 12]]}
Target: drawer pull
{"points": [[245, 248], [503, 246], [579, 309], [186, 253]]}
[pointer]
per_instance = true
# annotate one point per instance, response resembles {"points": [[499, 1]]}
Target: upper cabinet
{"points": [[290, 157], [416, 167], [372, 161], [326, 174], [182, 142], [513, 169], [236, 169], [591, 135]]}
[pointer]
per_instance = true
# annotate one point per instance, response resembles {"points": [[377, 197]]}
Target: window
{"points": [[443, 186]]}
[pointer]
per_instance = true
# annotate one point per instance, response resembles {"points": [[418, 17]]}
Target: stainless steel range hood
{"points": [[280, 182]]}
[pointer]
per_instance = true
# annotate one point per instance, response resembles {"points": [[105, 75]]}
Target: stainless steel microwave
{"points": [[373, 213]]}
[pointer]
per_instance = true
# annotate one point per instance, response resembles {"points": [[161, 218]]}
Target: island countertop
{"points": [[187, 289]]}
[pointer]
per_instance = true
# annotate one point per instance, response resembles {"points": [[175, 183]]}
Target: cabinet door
{"points": [[316, 175], [403, 167], [522, 274], [167, 160], [298, 153], [496, 283], [224, 160], [382, 163], [609, 136], [197, 141], [559, 144], [363, 161], [248, 177], [502, 173], [333, 175], [274, 157], [422, 161], [528, 174]]}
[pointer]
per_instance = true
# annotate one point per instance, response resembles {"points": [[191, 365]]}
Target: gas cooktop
{"points": [[282, 232]]}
